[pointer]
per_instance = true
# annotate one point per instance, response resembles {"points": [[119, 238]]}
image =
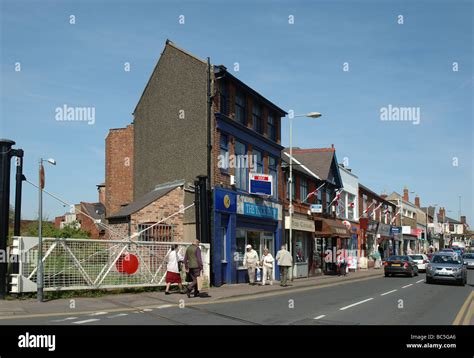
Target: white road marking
{"points": [[118, 315], [355, 304], [87, 321], [65, 319], [386, 293], [407, 285], [147, 310], [98, 313], [319, 317], [419, 281], [164, 306]]}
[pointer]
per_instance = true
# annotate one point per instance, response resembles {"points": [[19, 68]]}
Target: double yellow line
{"points": [[466, 311]]}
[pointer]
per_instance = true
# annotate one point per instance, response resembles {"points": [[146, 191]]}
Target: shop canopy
{"points": [[331, 228]]}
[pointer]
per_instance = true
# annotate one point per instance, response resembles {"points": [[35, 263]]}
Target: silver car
{"points": [[468, 260], [445, 266]]}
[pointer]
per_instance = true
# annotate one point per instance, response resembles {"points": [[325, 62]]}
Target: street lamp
{"points": [[39, 276], [290, 180]]}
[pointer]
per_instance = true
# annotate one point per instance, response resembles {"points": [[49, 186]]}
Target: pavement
{"points": [[363, 297]]}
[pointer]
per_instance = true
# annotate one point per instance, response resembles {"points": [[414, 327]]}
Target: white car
{"points": [[421, 261]]}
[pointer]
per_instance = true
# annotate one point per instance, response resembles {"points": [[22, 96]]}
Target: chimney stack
{"points": [[463, 219], [417, 201], [405, 194], [442, 213]]}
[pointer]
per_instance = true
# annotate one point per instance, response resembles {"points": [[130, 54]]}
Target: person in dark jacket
{"points": [[193, 266]]}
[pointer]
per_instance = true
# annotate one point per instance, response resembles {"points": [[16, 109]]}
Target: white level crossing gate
{"points": [[75, 264]]}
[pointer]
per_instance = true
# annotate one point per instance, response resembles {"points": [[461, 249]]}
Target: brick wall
{"points": [[119, 147], [160, 209]]}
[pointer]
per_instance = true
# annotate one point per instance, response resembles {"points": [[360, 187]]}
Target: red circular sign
{"points": [[127, 263]]}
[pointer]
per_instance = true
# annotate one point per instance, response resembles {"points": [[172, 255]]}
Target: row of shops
{"points": [[240, 219]]}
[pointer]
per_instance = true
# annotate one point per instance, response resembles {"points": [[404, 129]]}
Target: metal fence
{"points": [[75, 264]]}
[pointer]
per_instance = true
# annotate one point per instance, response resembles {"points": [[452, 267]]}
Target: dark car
{"points": [[400, 265]]}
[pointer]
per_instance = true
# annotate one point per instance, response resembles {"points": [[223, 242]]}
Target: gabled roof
{"points": [[94, 210], [147, 199], [317, 160], [448, 220]]}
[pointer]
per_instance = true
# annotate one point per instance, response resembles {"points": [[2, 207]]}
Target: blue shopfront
{"points": [[241, 219]]}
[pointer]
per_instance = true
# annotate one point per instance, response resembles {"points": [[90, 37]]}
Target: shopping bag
{"points": [[200, 282]]}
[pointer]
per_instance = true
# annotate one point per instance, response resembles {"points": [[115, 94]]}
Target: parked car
{"points": [[446, 266], [400, 265], [421, 261], [468, 260]]}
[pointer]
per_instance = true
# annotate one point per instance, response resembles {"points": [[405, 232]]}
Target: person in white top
{"points": [[267, 264], [173, 269], [251, 263]]}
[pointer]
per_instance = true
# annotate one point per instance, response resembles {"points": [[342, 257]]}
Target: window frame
{"points": [[241, 108]]}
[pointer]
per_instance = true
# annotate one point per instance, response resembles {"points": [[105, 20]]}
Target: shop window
{"points": [[258, 239], [328, 200], [224, 244], [350, 210]]}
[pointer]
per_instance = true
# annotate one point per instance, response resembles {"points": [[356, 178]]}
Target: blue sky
{"points": [[297, 66]]}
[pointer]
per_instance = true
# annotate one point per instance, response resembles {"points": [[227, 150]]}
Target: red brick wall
{"points": [[161, 209], [118, 168]]}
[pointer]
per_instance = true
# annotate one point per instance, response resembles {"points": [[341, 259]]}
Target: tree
{"points": [[48, 229]]}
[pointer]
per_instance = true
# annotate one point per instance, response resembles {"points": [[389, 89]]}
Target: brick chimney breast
{"points": [[463, 219], [405, 194], [417, 201]]}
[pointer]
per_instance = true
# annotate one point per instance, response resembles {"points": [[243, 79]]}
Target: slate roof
{"points": [[159, 191], [317, 160]]}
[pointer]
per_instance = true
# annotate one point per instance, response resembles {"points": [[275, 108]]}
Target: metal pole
{"points": [[39, 280], [290, 228], [19, 180], [5, 165]]}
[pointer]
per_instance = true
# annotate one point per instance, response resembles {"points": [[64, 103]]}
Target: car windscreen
{"points": [[445, 259], [416, 257], [468, 256], [397, 258]]}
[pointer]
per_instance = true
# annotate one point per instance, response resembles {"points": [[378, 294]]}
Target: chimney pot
{"points": [[417, 201]]}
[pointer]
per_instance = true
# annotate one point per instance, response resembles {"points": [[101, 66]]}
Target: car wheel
{"points": [[416, 272], [412, 273], [387, 274], [429, 280]]}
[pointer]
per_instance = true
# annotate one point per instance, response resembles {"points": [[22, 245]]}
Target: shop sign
{"points": [[298, 224], [261, 184], [316, 208], [384, 230], [372, 226], [225, 201], [257, 207]]}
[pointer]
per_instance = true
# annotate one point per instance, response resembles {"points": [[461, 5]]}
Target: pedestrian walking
{"points": [[285, 261], [193, 266], [251, 263], [267, 267], [173, 269], [341, 264]]}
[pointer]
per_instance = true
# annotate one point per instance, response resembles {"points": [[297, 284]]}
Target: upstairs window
{"points": [[257, 118], [240, 107], [303, 189], [224, 98], [273, 171], [258, 161], [224, 153], [271, 127]]}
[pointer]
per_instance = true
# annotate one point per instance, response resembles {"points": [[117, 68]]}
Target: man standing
{"points": [[193, 266], [250, 262], [285, 261]]}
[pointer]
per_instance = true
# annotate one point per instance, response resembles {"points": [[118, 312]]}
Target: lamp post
{"points": [[39, 280], [290, 179]]}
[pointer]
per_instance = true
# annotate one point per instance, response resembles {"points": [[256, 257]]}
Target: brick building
{"points": [[170, 131], [119, 159]]}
